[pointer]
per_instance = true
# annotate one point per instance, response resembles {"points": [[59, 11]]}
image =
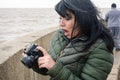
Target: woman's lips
{"points": [[65, 32]]}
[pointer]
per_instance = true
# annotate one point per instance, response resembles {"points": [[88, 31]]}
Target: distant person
{"points": [[81, 49], [113, 20]]}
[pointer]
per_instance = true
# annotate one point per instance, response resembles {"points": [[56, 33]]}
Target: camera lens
{"points": [[28, 61]]}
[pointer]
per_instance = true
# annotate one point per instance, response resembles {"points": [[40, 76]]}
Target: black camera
{"points": [[32, 55]]}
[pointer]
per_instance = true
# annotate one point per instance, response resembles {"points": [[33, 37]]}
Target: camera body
{"points": [[32, 55], [30, 60]]}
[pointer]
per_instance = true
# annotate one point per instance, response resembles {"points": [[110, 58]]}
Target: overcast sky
{"points": [[48, 3]]}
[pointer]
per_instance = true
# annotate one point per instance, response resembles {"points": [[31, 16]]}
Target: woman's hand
{"points": [[46, 61], [23, 54]]}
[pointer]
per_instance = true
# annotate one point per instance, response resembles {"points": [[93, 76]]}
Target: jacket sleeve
{"points": [[50, 50], [97, 67]]}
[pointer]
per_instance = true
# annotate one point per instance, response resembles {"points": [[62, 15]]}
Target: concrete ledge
{"points": [[11, 67]]}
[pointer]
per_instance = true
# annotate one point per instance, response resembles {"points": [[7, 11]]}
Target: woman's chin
{"points": [[68, 36]]}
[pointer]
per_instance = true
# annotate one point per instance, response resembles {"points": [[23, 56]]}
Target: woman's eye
{"points": [[67, 17], [60, 18], [64, 18]]}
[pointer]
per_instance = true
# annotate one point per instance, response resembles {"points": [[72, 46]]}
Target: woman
{"points": [[82, 48]]}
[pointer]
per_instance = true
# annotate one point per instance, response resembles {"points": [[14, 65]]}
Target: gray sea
{"points": [[16, 22]]}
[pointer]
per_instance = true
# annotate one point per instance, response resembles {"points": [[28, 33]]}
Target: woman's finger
{"points": [[43, 50]]}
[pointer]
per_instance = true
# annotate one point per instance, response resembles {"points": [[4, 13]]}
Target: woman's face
{"points": [[67, 24]]}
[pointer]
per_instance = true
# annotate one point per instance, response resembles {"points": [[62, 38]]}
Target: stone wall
{"points": [[11, 67]]}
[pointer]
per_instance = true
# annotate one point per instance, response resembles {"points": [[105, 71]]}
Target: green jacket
{"points": [[93, 64]]}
